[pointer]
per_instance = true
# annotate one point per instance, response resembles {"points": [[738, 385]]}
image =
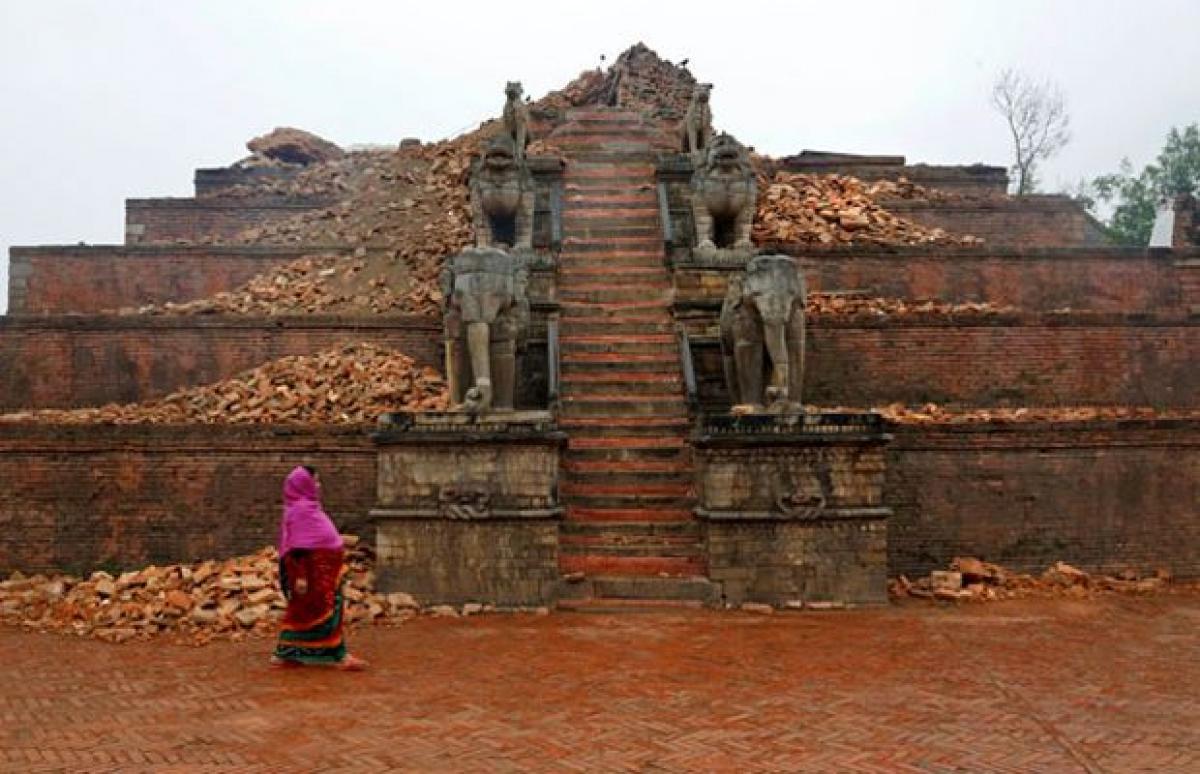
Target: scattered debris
{"points": [[837, 209], [850, 305], [972, 580], [351, 385], [196, 603], [932, 413]]}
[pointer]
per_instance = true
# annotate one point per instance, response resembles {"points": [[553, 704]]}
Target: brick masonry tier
{"points": [[90, 279], [1103, 496], [66, 362], [1028, 221], [1121, 280], [1021, 360], [192, 220], [82, 498]]}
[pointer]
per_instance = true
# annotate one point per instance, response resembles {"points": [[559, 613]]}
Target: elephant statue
{"points": [[502, 196], [763, 312], [486, 318]]}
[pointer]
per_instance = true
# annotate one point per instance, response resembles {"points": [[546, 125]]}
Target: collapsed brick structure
{"points": [[623, 347]]}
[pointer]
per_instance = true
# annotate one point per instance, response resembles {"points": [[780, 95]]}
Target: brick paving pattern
{"points": [[1101, 686]]}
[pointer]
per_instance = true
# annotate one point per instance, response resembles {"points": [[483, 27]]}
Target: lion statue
{"points": [[723, 196], [516, 116], [696, 129], [502, 197]]}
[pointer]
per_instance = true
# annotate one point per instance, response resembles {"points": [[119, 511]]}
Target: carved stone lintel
{"points": [[801, 506], [464, 502]]}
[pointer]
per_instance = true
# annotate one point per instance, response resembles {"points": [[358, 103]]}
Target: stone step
{"points": [[616, 338], [651, 547], [640, 478], [587, 172], [615, 245], [601, 427], [618, 467], [602, 309], [599, 150], [657, 294], [599, 189], [607, 606], [645, 258], [664, 441], [643, 198], [662, 515], [633, 530], [646, 344], [623, 490], [575, 388], [581, 276], [646, 405], [607, 323], [590, 379], [617, 229], [633, 590], [607, 362], [645, 566], [626, 454]]}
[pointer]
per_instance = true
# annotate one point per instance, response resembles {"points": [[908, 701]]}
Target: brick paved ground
{"points": [[1109, 685]]}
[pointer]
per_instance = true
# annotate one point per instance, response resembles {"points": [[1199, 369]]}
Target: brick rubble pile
{"points": [[367, 283], [933, 414], [972, 580], [351, 385], [835, 210], [849, 305], [193, 603]]}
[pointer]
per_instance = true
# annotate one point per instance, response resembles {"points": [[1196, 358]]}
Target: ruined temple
{"points": [[949, 370]]}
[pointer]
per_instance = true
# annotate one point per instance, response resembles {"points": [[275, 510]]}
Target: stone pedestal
{"points": [[793, 507], [468, 508]]}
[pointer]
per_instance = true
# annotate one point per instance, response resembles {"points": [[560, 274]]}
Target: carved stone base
{"points": [[729, 256], [468, 508], [793, 507]]}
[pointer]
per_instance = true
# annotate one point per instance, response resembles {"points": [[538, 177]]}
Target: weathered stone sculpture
{"points": [[723, 196], [502, 197], [486, 316], [764, 313], [516, 117], [696, 129]]}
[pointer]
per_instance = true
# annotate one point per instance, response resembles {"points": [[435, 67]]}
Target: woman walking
{"points": [[311, 570]]}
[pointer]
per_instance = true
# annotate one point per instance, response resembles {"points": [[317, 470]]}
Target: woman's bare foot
{"points": [[352, 664], [283, 663]]}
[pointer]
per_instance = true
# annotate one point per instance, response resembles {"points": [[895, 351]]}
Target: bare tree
{"points": [[1036, 113]]}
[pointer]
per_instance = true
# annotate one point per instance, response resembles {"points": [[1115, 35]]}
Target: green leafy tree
{"points": [[1137, 197]]}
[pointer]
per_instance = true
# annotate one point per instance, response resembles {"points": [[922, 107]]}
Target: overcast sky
{"points": [[108, 99]]}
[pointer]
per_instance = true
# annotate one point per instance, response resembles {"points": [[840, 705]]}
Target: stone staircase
{"points": [[629, 538]]}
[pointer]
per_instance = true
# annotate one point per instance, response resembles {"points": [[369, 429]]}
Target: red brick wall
{"points": [[1014, 360], [169, 220], [1021, 361], [1031, 221], [1187, 267], [1037, 279], [86, 280], [88, 361], [1102, 496], [83, 497]]}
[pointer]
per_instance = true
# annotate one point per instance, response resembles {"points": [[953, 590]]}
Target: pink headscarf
{"points": [[304, 524]]}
